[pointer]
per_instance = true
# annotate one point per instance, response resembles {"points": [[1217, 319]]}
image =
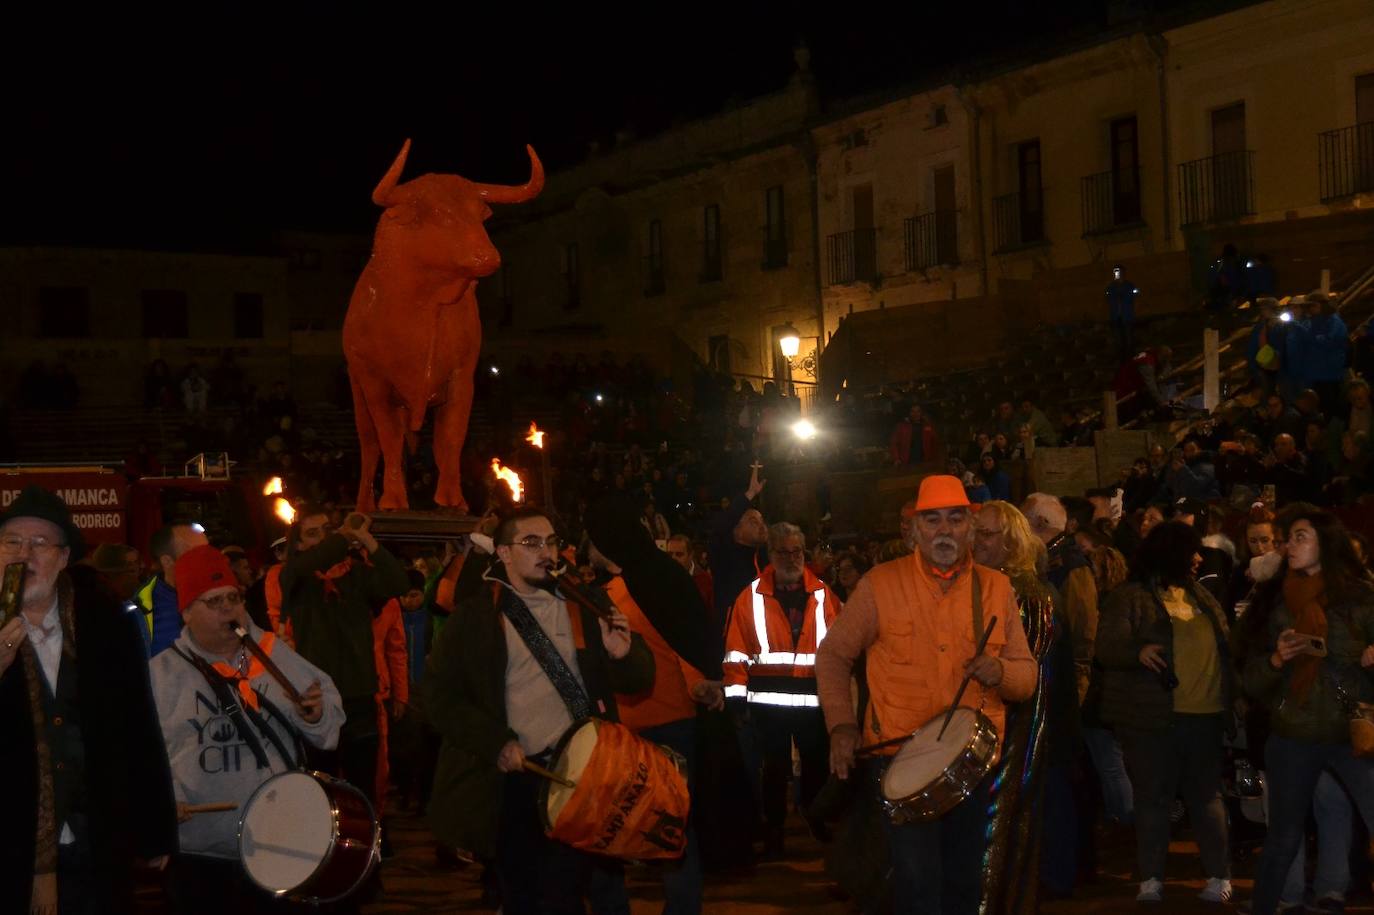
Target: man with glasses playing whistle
{"points": [[81, 749], [515, 666], [915, 619]]}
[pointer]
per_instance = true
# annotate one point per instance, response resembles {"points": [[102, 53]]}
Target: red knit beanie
{"points": [[198, 570]]}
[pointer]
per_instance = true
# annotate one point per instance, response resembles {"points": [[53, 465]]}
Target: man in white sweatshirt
{"points": [[229, 727]]}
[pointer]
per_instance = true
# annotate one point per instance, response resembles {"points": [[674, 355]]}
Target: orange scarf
{"points": [[242, 679], [1305, 596], [337, 571]]}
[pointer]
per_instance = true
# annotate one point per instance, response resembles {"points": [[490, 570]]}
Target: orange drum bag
{"points": [[630, 799]]}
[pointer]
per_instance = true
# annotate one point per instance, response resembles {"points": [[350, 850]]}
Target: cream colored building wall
{"points": [[1068, 103], [903, 147], [1293, 63]]}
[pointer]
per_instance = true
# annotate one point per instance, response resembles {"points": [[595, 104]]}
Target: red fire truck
{"points": [[110, 509]]}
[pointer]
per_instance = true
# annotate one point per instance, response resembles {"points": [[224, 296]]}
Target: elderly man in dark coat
{"points": [[81, 746]]}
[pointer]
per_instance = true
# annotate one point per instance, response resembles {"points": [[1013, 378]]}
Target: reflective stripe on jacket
{"points": [[762, 664]]}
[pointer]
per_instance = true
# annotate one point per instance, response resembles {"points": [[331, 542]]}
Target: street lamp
{"points": [[790, 341]]}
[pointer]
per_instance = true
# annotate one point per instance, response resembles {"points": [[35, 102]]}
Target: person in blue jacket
{"points": [[1328, 348], [1121, 294]]}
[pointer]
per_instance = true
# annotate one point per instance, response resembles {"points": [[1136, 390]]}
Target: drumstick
{"points": [[883, 745], [545, 773], [982, 643], [222, 807]]}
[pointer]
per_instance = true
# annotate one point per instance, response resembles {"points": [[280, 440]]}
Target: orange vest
{"points": [[670, 698], [762, 664], [924, 637]]}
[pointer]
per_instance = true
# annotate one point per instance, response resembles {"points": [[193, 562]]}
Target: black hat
{"points": [[1190, 506], [37, 502]]}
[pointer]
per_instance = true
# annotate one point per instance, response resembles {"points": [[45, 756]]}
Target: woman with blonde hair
{"points": [[1002, 539]]}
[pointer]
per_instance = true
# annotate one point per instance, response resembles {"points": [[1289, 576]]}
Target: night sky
{"points": [[212, 134]]}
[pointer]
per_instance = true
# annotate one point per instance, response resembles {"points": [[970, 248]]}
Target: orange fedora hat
{"points": [[941, 491]]}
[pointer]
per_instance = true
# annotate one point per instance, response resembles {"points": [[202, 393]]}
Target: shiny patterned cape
{"points": [[1011, 863]]}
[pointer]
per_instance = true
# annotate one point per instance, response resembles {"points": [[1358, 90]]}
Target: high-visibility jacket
{"points": [[762, 663]]}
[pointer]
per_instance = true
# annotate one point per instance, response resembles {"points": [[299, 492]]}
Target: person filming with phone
{"points": [[1167, 691], [1314, 665]]}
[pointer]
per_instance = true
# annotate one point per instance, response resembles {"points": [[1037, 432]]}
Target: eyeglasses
{"points": [[13, 545], [225, 601], [794, 554], [535, 542]]}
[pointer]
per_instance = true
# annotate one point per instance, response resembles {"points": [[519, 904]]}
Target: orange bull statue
{"points": [[412, 333]]}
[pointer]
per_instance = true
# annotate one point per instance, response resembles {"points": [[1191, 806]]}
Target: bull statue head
{"points": [[437, 219]]}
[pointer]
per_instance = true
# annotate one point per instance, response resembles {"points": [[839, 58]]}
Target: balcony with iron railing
{"points": [[1216, 188], [774, 248], [931, 240], [852, 256], [1111, 202], [1018, 221], [1346, 161]]}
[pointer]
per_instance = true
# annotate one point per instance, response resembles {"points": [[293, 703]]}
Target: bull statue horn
{"points": [[382, 195], [501, 193]]}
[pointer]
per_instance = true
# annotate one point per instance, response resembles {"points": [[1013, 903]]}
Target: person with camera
{"points": [[1319, 637], [1167, 692]]}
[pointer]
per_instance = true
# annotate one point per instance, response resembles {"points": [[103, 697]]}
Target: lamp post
{"points": [[789, 342]]}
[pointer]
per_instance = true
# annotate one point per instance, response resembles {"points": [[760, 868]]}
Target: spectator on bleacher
{"points": [[226, 381], [655, 523], [1003, 449], [1225, 280], [1265, 351], [913, 440], [1140, 484], [981, 445], [1041, 427], [1328, 346], [995, 478], [1286, 470], [1352, 478], [1194, 479], [1359, 417], [1241, 463], [1278, 419], [1316, 451], [1139, 385], [1076, 429], [1005, 421], [195, 390], [1121, 294]]}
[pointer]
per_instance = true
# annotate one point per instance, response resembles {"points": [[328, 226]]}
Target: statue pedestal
{"points": [[421, 526]]}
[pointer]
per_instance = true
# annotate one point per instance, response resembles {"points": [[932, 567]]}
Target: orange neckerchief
{"points": [[337, 571], [1305, 596], [255, 669], [953, 572]]}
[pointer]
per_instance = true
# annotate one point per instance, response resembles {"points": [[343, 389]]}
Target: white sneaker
{"points": [[1216, 890], [1151, 890]]}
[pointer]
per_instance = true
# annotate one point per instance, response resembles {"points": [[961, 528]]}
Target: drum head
{"points": [[575, 749], [922, 758], [286, 831]]}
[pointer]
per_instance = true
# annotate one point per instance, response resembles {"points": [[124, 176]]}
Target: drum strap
{"points": [[977, 606], [546, 654], [230, 705]]}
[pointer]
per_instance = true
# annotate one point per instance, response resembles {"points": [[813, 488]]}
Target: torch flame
{"points": [[536, 437], [273, 487], [284, 511], [510, 478]]}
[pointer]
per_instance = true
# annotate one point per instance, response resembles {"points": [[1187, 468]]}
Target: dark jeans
{"points": [[1124, 337], [937, 866], [778, 728], [75, 880], [1292, 770], [538, 875], [203, 885], [1182, 759], [682, 883]]}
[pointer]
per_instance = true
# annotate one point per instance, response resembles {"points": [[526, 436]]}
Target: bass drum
{"points": [[309, 837]]}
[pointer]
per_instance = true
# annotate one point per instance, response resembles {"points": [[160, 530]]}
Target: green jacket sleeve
{"points": [[633, 673], [453, 710], [1118, 645]]}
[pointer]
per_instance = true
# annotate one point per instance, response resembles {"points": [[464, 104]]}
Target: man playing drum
{"points": [[228, 727], [515, 666], [915, 618]]}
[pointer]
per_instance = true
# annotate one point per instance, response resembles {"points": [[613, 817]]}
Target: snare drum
{"points": [[309, 837], [629, 798], [928, 778]]}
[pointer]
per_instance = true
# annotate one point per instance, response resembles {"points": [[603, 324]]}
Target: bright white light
{"points": [[599, 398], [803, 429], [790, 344], [1250, 265], [1285, 316], [495, 370], [195, 526]]}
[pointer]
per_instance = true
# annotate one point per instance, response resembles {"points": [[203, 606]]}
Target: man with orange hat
{"points": [[229, 727], [919, 620]]}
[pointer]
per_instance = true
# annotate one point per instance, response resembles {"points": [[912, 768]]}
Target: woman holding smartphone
{"points": [[1318, 651]]}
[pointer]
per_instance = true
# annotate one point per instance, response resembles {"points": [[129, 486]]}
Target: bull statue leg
{"points": [[450, 431], [388, 423], [368, 446]]}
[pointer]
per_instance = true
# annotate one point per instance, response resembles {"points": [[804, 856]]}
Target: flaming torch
{"points": [[510, 478], [273, 487], [284, 511], [536, 438]]}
